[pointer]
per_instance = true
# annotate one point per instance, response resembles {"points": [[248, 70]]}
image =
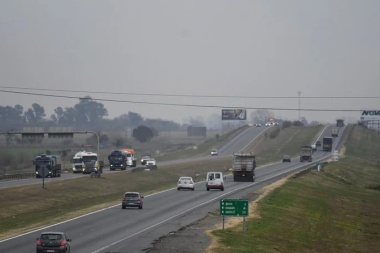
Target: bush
{"points": [[274, 133]]}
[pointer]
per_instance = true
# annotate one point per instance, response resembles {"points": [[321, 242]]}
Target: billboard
{"points": [[370, 114], [234, 114]]}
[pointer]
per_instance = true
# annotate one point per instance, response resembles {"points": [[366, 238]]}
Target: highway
{"points": [[132, 230]]}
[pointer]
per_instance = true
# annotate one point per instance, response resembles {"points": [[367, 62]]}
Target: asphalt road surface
{"points": [[132, 230]]}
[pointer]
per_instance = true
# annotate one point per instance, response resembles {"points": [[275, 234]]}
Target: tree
{"points": [[143, 133], [135, 119], [261, 115], [35, 114], [89, 112]]}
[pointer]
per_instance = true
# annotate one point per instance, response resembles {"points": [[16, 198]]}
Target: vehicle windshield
{"points": [[77, 160], [42, 161], [87, 159], [116, 157]]}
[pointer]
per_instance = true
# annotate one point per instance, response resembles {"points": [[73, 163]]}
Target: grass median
{"points": [[334, 210]]}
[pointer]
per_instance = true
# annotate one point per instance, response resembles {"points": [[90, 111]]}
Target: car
{"points": [[53, 242], [150, 162], [214, 152], [145, 158], [286, 158], [214, 180], [132, 199], [318, 143], [185, 183], [257, 125]]}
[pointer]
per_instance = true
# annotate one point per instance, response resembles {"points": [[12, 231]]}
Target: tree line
{"points": [[86, 115]]}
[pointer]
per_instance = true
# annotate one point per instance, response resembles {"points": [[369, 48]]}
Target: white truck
{"points": [[77, 162]]}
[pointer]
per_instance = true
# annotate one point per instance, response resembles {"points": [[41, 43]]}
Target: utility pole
{"points": [[299, 105]]}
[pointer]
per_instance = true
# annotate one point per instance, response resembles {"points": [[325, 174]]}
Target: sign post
{"points": [[234, 207]]}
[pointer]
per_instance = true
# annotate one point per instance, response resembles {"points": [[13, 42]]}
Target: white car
{"points": [[214, 152], [150, 162], [185, 183], [215, 180]]}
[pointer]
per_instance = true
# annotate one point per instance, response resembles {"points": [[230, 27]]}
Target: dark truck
{"points": [[243, 165], [50, 163], [327, 143], [117, 160], [306, 154], [339, 122]]}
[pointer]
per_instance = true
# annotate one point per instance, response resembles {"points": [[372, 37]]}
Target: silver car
{"points": [[185, 183]]}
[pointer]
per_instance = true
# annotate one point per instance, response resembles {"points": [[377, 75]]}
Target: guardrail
{"points": [[308, 169], [17, 176]]}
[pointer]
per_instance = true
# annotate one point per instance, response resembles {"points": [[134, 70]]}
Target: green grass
{"points": [[288, 141], [332, 211]]}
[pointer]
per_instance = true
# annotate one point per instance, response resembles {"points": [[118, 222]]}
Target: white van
{"points": [[214, 180]]}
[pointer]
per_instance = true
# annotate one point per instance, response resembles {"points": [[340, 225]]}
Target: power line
{"points": [[184, 105], [186, 95]]}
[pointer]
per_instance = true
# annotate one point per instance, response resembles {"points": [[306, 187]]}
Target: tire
{"points": [[141, 207], [178, 189], [207, 188], [222, 189], [123, 207], [192, 189]]}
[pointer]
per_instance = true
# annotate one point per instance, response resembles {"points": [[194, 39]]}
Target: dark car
{"points": [[286, 158], [56, 242], [132, 199]]}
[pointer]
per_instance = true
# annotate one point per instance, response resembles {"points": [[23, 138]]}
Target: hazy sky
{"points": [[322, 48]]}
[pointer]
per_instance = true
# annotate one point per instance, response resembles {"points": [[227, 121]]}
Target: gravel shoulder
{"points": [[197, 237]]}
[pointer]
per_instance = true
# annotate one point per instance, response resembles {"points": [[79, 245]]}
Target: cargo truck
{"points": [[131, 157], [77, 162], [339, 122], [306, 154], [50, 163], [327, 143], [117, 160], [243, 166], [335, 132]]}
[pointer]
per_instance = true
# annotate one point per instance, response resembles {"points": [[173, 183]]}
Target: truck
{"points": [[90, 163], [243, 167], [131, 157], [339, 122], [77, 162], [327, 143], [335, 132], [306, 154], [51, 163], [117, 160]]}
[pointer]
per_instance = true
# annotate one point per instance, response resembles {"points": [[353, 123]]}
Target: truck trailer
{"points": [[243, 165], [327, 143], [335, 132], [306, 154]]}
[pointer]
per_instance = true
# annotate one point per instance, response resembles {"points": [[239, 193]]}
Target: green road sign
{"points": [[234, 207]]}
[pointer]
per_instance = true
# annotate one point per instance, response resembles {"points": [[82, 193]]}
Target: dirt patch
{"points": [[197, 237]]}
